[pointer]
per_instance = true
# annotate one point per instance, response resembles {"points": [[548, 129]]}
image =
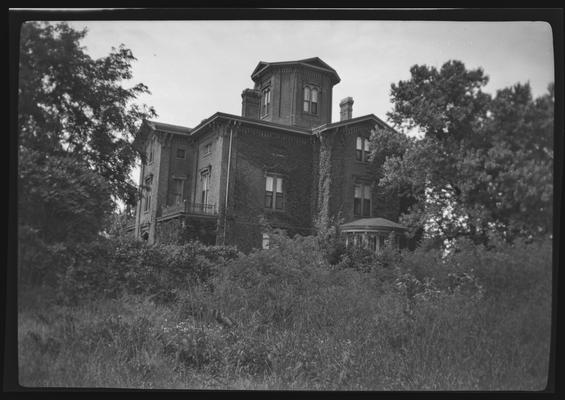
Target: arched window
{"points": [[311, 99], [314, 102], [307, 99]]}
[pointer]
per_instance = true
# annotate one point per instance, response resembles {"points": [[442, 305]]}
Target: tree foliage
{"points": [[76, 123], [484, 163]]}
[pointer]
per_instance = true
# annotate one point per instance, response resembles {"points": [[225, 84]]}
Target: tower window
{"points": [[314, 103], [307, 99], [311, 99]]}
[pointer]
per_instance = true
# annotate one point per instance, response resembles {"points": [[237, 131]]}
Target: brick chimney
{"points": [[250, 103], [346, 109]]}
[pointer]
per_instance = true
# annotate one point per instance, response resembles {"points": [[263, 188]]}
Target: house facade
{"points": [[282, 164]]}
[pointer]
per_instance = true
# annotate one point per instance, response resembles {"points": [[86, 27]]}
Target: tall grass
{"points": [[476, 320]]}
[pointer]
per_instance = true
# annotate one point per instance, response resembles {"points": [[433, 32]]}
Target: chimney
{"points": [[250, 103], [346, 108]]}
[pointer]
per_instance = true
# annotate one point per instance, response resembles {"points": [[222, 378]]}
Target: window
{"points": [[205, 178], [362, 200], [178, 190], [311, 99], [359, 149], [266, 104], [362, 149], [274, 196], [148, 182], [314, 102], [150, 150], [307, 99], [207, 149], [181, 153]]}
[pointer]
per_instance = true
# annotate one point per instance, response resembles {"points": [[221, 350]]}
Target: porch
{"points": [[372, 233]]}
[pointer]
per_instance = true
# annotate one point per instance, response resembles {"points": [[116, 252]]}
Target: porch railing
{"points": [[190, 209]]}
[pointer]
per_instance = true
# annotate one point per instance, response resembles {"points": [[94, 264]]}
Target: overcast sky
{"points": [[196, 68]]}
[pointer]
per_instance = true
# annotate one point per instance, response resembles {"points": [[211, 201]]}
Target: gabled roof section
{"points": [[169, 128], [314, 62], [251, 121], [357, 120], [148, 126]]}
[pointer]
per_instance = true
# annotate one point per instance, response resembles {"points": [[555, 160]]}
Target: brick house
{"points": [[282, 163]]}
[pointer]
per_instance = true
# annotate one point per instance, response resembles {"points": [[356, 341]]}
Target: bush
{"points": [[109, 269], [474, 318]]}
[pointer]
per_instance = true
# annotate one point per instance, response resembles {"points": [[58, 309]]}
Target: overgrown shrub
{"points": [[474, 318], [109, 269]]}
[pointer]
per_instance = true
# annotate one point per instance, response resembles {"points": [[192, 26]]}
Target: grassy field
{"points": [[296, 325]]}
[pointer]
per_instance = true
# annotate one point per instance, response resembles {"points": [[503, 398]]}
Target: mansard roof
{"points": [[314, 62]]}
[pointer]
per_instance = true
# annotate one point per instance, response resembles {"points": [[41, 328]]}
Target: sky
{"points": [[196, 68]]}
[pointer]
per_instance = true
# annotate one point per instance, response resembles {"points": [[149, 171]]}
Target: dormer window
{"points": [[266, 101], [311, 99]]}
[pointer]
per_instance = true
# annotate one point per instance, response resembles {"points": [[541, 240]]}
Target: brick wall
{"points": [[287, 95], [339, 171], [255, 153]]}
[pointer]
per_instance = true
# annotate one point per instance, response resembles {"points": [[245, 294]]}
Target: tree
{"points": [[484, 164], [76, 124]]}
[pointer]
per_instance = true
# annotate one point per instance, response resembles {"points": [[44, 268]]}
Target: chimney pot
{"points": [[250, 103], [346, 109]]}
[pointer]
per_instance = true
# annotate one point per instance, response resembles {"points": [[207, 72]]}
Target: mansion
{"points": [[282, 164]]}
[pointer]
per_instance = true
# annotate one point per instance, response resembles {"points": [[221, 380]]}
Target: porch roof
{"points": [[372, 225]]}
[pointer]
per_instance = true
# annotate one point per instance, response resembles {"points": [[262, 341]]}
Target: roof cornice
{"points": [[351, 121], [250, 121], [257, 72]]}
